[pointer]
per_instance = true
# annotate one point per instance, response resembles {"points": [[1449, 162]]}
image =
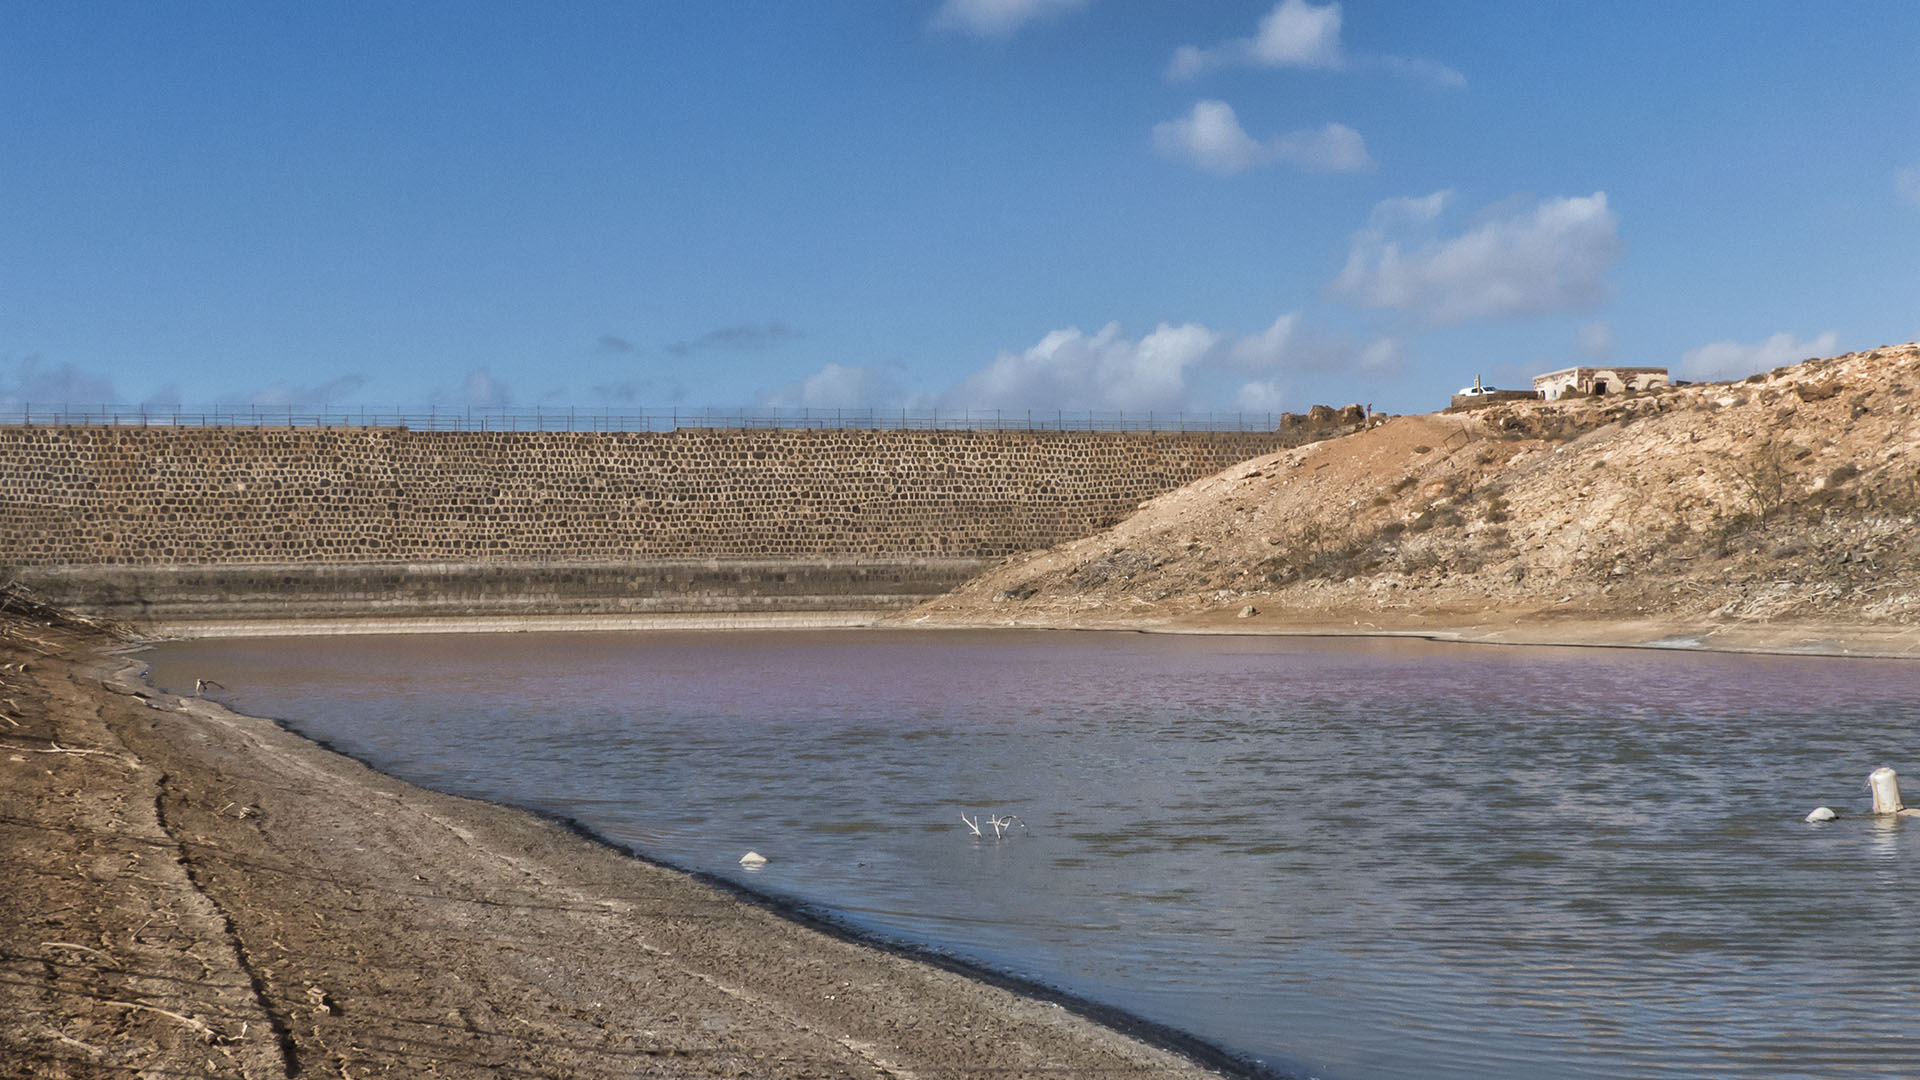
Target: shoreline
{"points": [[329, 905], [209, 892], [1827, 638], [1835, 639], [132, 679]]}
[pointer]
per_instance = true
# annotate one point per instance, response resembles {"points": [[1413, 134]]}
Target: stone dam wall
{"points": [[225, 523]]}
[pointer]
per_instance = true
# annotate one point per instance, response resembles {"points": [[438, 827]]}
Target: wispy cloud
{"points": [[281, 395], [481, 390], [1906, 185], [995, 18], [1299, 34], [1545, 257], [841, 386], [1210, 137], [1735, 360], [1595, 339], [1269, 348], [736, 338], [646, 392], [611, 344], [1330, 148], [33, 380], [478, 389], [1414, 69]]}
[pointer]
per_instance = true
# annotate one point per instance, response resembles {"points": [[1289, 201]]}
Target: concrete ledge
{"points": [[773, 620], [605, 594]]}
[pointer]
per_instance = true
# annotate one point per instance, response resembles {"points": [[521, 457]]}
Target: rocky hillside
{"points": [[1791, 495]]}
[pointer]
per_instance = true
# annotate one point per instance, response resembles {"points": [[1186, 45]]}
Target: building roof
{"points": [[1617, 368]]}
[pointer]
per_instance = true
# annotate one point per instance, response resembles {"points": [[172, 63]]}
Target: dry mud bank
{"points": [[194, 892], [1496, 626]]}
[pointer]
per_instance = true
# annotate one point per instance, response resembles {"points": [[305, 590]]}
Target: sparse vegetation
{"points": [[1765, 477]]}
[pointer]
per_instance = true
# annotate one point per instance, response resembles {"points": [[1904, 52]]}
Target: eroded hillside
{"points": [[1790, 495]]}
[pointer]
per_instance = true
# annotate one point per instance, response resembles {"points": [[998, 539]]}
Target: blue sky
{"points": [[950, 203]]}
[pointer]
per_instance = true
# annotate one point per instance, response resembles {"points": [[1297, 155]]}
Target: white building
{"points": [[1599, 380]]}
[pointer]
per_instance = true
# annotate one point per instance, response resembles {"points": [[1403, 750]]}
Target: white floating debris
{"points": [[1822, 813], [1886, 790], [753, 858]]}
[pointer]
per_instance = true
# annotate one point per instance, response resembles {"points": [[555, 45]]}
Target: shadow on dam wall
{"points": [[168, 525]]}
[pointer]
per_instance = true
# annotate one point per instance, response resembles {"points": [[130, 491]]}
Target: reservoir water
{"points": [[1344, 858]]}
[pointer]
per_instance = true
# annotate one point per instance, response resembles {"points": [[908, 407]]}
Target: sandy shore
{"points": [[1530, 627], [195, 892]]}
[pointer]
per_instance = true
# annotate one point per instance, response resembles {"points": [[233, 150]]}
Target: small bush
{"points": [[1764, 477]]}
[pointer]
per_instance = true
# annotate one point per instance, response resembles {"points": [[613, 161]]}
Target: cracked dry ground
{"points": [[192, 893]]}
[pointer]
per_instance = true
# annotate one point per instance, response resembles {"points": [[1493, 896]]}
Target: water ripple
{"points": [[1356, 859]]}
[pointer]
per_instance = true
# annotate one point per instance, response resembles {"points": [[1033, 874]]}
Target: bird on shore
{"points": [[201, 686]]}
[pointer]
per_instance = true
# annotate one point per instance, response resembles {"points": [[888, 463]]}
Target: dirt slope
{"points": [[1791, 496]]}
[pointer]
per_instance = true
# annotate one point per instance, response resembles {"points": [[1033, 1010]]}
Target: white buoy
{"points": [[753, 858], [1886, 791], [1822, 813]]}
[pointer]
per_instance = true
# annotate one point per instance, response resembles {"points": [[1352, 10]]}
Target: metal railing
{"points": [[434, 418]]}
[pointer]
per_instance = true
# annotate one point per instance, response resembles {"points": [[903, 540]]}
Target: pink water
{"points": [[1345, 859]]}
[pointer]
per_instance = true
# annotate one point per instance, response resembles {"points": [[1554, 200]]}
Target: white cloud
{"points": [[1549, 257], [991, 18], [1906, 184], [1211, 138], [1270, 347], [1068, 369], [1294, 34], [1407, 210], [1299, 34], [1261, 395], [1732, 360], [1595, 339]]}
